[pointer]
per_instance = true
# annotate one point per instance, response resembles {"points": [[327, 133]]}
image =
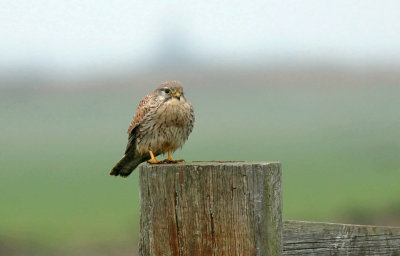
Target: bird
{"points": [[162, 124]]}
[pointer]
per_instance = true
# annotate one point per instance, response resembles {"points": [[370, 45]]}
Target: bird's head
{"points": [[170, 90]]}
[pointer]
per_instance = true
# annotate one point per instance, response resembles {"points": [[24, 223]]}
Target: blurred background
{"points": [[312, 84]]}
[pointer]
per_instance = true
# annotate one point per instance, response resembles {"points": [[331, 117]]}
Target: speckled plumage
{"points": [[162, 122]]}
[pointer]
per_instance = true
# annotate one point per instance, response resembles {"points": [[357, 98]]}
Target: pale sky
{"points": [[93, 32]]}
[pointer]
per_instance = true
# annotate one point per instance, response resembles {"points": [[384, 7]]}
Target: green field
{"points": [[340, 150]]}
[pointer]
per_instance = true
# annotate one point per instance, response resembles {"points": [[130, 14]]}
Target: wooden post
{"points": [[211, 208]]}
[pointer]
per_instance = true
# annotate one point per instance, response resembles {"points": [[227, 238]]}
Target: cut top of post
{"points": [[214, 163]]}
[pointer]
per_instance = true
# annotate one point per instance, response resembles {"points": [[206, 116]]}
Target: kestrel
{"points": [[162, 124]]}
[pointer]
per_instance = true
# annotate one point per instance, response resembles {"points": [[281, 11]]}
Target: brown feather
{"points": [[141, 111]]}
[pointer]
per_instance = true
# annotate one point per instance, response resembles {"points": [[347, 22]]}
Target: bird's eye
{"points": [[167, 90]]}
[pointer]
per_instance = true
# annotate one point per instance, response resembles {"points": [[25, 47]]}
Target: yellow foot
{"points": [[155, 162], [169, 160], [153, 159], [172, 161]]}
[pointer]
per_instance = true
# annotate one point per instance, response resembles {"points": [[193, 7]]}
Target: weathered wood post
{"points": [[211, 208]]}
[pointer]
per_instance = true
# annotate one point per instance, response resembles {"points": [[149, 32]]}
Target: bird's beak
{"points": [[177, 94]]}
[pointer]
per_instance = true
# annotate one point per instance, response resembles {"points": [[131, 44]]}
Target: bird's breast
{"points": [[174, 113], [167, 128]]}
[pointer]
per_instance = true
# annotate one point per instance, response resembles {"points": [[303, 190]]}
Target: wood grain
{"points": [[315, 238], [211, 208]]}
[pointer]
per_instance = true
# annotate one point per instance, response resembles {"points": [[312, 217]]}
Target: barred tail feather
{"points": [[128, 163], [125, 166]]}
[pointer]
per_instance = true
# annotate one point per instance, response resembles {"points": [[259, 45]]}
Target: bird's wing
{"points": [[143, 108]]}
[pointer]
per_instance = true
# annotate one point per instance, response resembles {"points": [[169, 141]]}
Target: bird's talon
{"points": [[153, 159], [155, 162], [171, 161]]}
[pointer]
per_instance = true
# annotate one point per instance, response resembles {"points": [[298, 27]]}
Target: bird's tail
{"points": [[126, 165]]}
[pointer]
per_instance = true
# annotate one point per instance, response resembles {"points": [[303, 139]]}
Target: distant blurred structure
{"points": [[174, 50]]}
